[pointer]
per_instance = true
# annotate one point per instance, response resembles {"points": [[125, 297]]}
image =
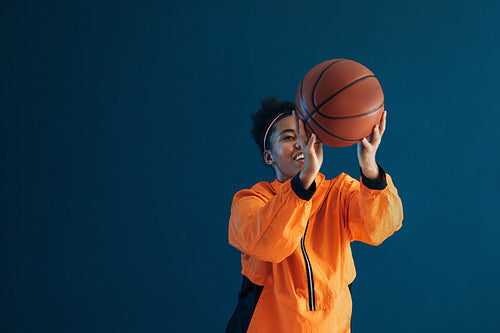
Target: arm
{"points": [[270, 229], [374, 209]]}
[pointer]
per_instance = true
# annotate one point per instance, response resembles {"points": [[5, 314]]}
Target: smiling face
{"points": [[285, 155]]}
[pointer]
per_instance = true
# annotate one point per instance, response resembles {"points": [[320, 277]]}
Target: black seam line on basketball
{"points": [[312, 94], [319, 78], [356, 116], [316, 109], [314, 90], [325, 130], [341, 90]]}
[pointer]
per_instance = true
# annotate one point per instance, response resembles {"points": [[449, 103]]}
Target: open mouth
{"points": [[299, 157]]}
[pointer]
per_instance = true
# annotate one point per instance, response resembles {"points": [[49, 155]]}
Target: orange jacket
{"points": [[295, 246]]}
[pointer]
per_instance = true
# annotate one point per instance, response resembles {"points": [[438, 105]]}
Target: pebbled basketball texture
{"points": [[341, 101]]}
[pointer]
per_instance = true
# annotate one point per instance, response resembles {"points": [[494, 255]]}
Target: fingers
{"points": [[312, 140], [318, 145], [296, 120], [302, 132], [314, 145], [375, 135], [378, 130], [373, 139], [364, 142], [299, 125], [383, 121]]}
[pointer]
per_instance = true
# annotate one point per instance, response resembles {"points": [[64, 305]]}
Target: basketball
{"points": [[341, 101]]}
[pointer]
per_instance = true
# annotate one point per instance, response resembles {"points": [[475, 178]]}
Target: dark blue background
{"points": [[125, 133]]}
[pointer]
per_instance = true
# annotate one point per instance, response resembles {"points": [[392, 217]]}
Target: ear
{"points": [[268, 159]]}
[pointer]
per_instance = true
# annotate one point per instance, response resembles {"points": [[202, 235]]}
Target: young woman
{"points": [[295, 232]]}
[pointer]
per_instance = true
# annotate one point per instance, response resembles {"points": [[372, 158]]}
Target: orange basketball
{"points": [[340, 100]]}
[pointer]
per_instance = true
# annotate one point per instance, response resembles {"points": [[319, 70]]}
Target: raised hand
{"points": [[312, 150], [367, 149]]}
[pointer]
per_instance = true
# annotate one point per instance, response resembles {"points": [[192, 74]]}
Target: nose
{"points": [[297, 145]]}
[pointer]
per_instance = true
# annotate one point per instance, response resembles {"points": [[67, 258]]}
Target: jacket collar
{"points": [[275, 184]]}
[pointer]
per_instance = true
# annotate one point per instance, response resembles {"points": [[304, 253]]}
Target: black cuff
{"points": [[300, 190], [379, 184]]}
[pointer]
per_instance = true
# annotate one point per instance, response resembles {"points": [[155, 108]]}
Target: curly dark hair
{"points": [[270, 109]]}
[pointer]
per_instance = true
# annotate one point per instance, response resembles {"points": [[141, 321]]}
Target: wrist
{"points": [[305, 194], [371, 171], [306, 179], [375, 184]]}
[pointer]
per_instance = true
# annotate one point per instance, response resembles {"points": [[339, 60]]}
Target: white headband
{"points": [[269, 127]]}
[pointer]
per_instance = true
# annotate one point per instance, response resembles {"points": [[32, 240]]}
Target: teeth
{"points": [[299, 157]]}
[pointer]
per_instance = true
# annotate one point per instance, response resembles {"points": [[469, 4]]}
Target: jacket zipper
{"points": [[310, 281]]}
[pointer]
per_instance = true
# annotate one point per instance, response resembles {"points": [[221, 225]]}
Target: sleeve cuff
{"points": [[379, 184], [300, 190]]}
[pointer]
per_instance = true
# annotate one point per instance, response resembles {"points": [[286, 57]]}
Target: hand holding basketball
{"points": [[367, 149], [313, 153]]}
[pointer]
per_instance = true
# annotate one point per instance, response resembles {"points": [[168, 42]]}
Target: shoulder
{"points": [[263, 190]]}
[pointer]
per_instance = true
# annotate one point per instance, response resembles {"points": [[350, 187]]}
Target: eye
{"points": [[289, 137]]}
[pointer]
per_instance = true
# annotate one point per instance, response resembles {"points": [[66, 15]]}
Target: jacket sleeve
{"points": [[374, 209], [270, 229]]}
